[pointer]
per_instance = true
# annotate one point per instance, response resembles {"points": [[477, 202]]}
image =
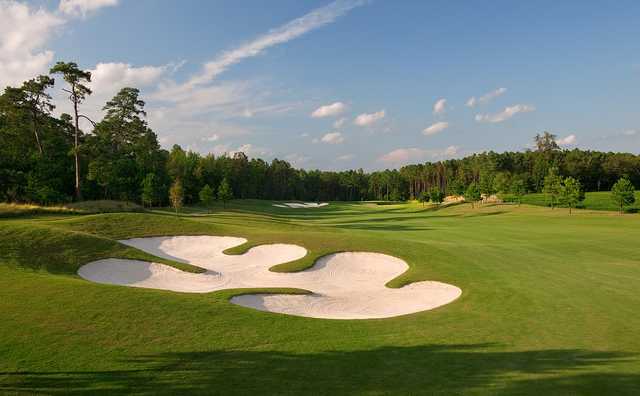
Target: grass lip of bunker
{"points": [[301, 205]]}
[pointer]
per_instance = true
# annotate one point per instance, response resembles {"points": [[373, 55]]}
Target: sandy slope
{"points": [[344, 285]]}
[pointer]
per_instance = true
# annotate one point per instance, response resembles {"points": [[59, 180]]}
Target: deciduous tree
{"points": [[436, 195], [571, 192], [552, 186], [623, 193], [176, 195], [150, 189], [206, 197], [518, 189], [224, 192], [472, 194]]}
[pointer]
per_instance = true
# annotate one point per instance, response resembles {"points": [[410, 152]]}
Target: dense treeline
{"points": [[45, 159]]}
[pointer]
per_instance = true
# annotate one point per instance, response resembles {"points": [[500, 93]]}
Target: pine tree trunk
{"points": [[75, 151]]}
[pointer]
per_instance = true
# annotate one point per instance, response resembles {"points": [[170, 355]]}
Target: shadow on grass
{"points": [[381, 227], [486, 214], [430, 369]]}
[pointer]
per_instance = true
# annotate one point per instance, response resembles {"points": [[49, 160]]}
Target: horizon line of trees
{"points": [[46, 159]]}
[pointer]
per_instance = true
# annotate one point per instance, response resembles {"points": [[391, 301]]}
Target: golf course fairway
{"points": [[549, 304]]}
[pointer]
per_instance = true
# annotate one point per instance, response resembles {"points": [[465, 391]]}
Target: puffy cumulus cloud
{"points": [[366, 119], [567, 140], [113, 76], [505, 114], [24, 31], [440, 107], [435, 128], [403, 156], [332, 138], [107, 79], [329, 110], [486, 98], [84, 7]]}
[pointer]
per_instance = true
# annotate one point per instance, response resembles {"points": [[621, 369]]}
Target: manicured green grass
{"points": [[600, 200], [550, 306]]}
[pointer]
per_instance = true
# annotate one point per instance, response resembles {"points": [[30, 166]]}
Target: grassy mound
{"points": [[83, 207]]}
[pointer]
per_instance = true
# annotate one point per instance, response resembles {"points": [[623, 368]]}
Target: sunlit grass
{"points": [[549, 305]]}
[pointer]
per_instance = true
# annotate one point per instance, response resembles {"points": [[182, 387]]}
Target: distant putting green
{"points": [[550, 305]]}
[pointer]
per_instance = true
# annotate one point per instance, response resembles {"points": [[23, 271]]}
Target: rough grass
{"points": [[549, 305], [83, 207]]}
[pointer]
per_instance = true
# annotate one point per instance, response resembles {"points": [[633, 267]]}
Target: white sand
{"points": [[301, 205], [343, 285]]}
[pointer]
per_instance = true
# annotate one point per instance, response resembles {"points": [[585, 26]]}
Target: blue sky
{"points": [[350, 83]]}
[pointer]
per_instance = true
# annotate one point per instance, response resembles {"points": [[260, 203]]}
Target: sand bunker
{"points": [[300, 205], [343, 285]]}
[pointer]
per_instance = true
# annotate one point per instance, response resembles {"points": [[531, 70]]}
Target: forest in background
{"points": [[49, 160]]}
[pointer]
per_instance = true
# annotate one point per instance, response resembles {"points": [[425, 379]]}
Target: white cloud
{"points": [[213, 138], [297, 160], [339, 123], [221, 149], [115, 76], [251, 151], [106, 80], [83, 7], [435, 128], [440, 106], [449, 151], [332, 138], [313, 20], [630, 132], [268, 109], [329, 110], [403, 156], [486, 98], [24, 31], [188, 107], [504, 115], [567, 140], [345, 157], [369, 119]]}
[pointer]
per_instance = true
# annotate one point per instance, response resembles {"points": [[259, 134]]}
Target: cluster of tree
{"points": [[516, 172], [47, 159]]}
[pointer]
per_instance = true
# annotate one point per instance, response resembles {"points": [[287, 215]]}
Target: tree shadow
{"points": [[428, 369]]}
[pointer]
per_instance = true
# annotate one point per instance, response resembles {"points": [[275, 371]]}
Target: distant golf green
{"points": [[549, 306]]}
